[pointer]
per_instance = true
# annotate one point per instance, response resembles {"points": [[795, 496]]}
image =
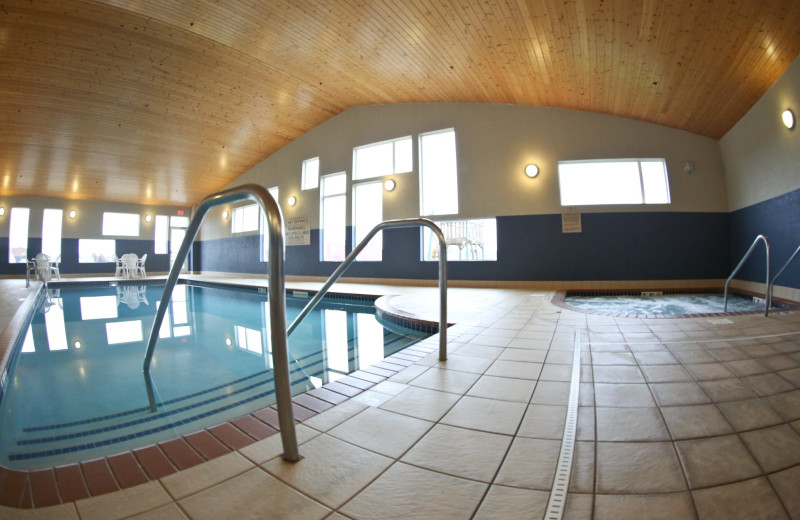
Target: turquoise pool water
{"points": [[76, 390], [664, 304]]}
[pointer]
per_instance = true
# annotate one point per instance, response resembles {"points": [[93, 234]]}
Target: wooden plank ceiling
{"points": [[168, 101]]}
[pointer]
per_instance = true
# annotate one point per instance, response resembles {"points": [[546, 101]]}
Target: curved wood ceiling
{"points": [[168, 101]]}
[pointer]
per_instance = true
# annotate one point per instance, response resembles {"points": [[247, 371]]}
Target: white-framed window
{"points": [[161, 246], [120, 224], [96, 250], [368, 213], [384, 158], [310, 179], [466, 239], [18, 235], [438, 173], [333, 216], [613, 181], [245, 218], [51, 232], [275, 192]]}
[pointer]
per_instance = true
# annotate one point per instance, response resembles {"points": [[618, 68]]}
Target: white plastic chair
{"points": [[118, 266], [44, 269], [140, 266], [131, 265]]}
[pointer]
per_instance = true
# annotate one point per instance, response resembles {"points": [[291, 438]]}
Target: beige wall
{"points": [[494, 143], [762, 157]]}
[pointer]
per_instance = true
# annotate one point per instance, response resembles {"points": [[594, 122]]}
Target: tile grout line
{"points": [[558, 494]]}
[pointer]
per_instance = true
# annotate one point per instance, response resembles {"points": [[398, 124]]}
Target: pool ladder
{"points": [[759, 238], [771, 285], [277, 295]]}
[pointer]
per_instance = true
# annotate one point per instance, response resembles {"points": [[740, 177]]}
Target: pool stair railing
{"points": [[767, 295], [348, 261], [277, 299], [771, 285]]}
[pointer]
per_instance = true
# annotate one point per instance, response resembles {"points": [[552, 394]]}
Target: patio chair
{"points": [[140, 266], [44, 269], [118, 266], [130, 265]]}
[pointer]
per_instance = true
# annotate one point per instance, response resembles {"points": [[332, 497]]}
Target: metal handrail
{"points": [[277, 299], [771, 285], [398, 223], [744, 258]]}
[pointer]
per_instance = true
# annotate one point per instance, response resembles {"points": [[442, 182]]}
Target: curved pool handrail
{"points": [[771, 285], [277, 299], [758, 239], [397, 223]]}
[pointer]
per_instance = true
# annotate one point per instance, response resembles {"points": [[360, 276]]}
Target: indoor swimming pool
{"points": [[656, 303], [75, 389]]}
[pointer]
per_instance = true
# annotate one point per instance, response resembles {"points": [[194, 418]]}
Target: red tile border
{"points": [[98, 477], [12, 487], [44, 488], [206, 445], [253, 427], [231, 436], [71, 485], [181, 453], [155, 462], [127, 470]]}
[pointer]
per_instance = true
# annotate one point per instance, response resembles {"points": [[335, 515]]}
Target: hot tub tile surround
{"points": [[624, 482]]}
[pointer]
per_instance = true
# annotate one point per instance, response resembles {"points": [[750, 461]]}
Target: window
{"points": [[162, 235], [385, 158], [177, 231], [18, 235], [121, 224], [622, 181], [438, 173], [95, 251], [51, 232], [469, 240], [245, 218], [368, 213], [310, 178], [333, 217], [275, 192]]}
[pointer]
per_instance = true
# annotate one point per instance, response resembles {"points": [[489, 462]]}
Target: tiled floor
{"points": [[677, 419]]}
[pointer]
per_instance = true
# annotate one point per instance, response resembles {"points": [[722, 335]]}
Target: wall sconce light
{"points": [[228, 341], [148, 218], [292, 200], [77, 344], [788, 118], [389, 185], [688, 167], [531, 170], [225, 215], [73, 213], [2, 211]]}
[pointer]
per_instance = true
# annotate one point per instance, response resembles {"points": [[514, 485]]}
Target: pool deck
{"points": [[695, 418]]}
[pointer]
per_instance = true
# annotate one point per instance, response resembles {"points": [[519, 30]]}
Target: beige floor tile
{"points": [[382, 431], [446, 380], [389, 387], [716, 460], [579, 507], [520, 354], [638, 468], [409, 493], [586, 423], [505, 503], [271, 447], [168, 512], [516, 369], [59, 512], [769, 384], [739, 501], [673, 394], [503, 388], [371, 398], [623, 395], [408, 374], [476, 365], [689, 422], [709, 371], [750, 414], [665, 373], [331, 471], [630, 424], [544, 421], [787, 483], [655, 358], [670, 506], [556, 372], [248, 496], [422, 403], [460, 452], [612, 358], [206, 475], [531, 464], [127, 502], [334, 416], [722, 390], [775, 448], [583, 468], [488, 415], [551, 392], [481, 348], [787, 404], [617, 374]]}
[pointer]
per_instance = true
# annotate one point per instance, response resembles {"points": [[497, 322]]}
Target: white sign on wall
{"points": [[298, 233], [570, 222]]}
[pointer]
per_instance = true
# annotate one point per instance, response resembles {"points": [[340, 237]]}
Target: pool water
{"points": [[76, 389], [664, 305]]}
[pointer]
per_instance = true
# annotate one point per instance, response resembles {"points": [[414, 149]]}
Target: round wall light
{"points": [[389, 185], [531, 170], [2, 211], [73, 213], [148, 218], [292, 200], [788, 119]]}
